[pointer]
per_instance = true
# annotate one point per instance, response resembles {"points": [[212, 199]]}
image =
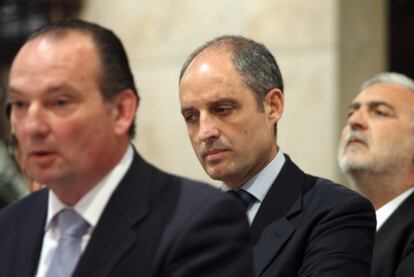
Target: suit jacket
{"points": [[394, 243], [154, 224], [309, 226]]}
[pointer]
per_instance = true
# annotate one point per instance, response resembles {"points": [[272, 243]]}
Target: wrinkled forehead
{"points": [[73, 56], [49, 48], [396, 95]]}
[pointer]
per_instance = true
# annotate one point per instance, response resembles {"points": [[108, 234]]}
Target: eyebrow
{"points": [[11, 90], [212, 103], [50, 90], [372, 103]]}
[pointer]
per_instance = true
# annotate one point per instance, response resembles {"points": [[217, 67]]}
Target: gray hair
{"points": [[390, 78], [253, 61]]}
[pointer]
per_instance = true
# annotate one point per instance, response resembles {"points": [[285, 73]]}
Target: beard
{"points": [[386, 157]]}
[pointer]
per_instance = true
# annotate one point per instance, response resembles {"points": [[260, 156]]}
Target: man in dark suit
{"points": [[105, 212], [231, 94], [376, 153]]}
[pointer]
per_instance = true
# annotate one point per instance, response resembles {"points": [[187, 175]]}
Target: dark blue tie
{"points": [[243, 196]]}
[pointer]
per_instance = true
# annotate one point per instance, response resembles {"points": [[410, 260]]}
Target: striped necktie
{"points": [[72, 227], [243, 196]]}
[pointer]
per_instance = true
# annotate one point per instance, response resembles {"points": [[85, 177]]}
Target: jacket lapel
{"points": [[273, 238], [114, 234], [271, 227], [31, 240]]}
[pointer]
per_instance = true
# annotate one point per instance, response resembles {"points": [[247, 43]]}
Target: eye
{"points": [[223, 110], [61, 102], [190, 117], [381, 112], [350, 113], [18, 104]]}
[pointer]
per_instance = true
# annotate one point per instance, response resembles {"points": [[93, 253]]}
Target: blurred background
{"points": [[325, 49]]}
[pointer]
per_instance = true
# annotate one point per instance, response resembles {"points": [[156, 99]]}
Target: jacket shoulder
{"points": [[34, 203], [334, 194]]}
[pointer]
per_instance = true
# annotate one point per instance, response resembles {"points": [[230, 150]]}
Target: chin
{"points": [[356, 166], [216, 174]]}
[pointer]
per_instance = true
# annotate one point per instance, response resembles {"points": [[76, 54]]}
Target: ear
{"points": [[274, 103], [124, 108]]}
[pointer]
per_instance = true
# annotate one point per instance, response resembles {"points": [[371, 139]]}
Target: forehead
{"points": [[49, 59], [212, 75], [399, 97]]}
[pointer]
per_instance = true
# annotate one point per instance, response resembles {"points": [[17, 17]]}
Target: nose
{"points": [[357, 121], [35, 122], [208, 130]]}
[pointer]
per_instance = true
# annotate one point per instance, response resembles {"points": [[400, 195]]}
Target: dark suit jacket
{"points": [[154, 224], [308, 226], [394, 243]]}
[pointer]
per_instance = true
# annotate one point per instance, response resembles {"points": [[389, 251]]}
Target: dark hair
{"points": [[256, 65], [115, 74]]}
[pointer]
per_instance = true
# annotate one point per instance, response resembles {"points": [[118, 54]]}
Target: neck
{"points": [[236, 183], [73, 190], [380, 188]]}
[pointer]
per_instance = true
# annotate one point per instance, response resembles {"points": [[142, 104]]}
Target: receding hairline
{"points": [[392, 78], [224, 46]]}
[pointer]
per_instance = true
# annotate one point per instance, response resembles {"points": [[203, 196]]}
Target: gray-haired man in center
{"points": [[376, 153]]}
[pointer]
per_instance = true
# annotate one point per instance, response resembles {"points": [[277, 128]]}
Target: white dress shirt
{"points": [[260, 184], [90, 207], [385, 211]]}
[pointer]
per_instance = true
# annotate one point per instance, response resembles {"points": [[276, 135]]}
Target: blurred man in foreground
{"points": [[105, 212]]}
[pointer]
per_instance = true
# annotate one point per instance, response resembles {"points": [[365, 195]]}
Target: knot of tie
{"points": [[243, 196], [70, 223]]}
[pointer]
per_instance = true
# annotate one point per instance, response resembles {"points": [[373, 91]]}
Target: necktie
{"points": [[72, 227], [243, 196]]}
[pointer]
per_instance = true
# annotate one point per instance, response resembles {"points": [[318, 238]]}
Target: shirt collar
{"points": [[385, 211], [259, 184], [92, 204]]}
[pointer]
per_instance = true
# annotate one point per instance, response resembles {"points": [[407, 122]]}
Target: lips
{"points": [[42, 156], [215, 154], [355, 141]]}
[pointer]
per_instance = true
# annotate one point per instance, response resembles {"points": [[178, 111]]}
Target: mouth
{"points": [[215, 154], [41, 156], [355, 141], [355, 144], [351, 141]]}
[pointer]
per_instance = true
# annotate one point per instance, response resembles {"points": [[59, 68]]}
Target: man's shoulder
{"points": [[400, 222], [18, 212], [327, 195], [317, 188], [193, 193], [28, 201], [393, 250], [188, 189], [329, 187]]}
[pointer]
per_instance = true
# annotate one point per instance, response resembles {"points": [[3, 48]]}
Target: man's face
{"points": [[379, 136], [65, 130], [232, 139]]}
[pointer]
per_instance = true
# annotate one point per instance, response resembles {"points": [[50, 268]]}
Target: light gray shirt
{"points": [[385, 211], [90, 207], [260, 184]]}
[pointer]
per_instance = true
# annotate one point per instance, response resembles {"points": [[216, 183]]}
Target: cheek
{"points": [[82, 133], [193, 139], [344, 134]]}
